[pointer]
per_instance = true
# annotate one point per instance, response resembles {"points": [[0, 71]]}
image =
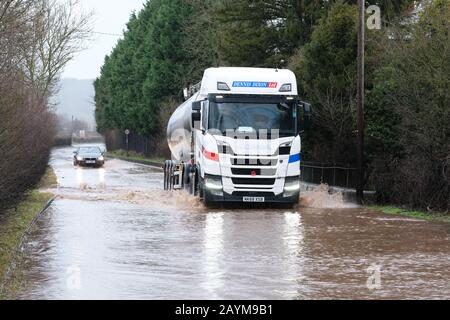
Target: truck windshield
{"points": [[253, 117]]}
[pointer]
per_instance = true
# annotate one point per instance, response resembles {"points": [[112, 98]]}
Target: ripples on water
{"points": [[320, 198], [131, 239], [95, 185]]}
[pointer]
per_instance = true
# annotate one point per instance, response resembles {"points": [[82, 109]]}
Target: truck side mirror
{"points": [[306, 120], [196, 114], [307, 108]]}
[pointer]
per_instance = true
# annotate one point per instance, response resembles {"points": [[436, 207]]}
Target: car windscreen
{"points": [[91, 150]]}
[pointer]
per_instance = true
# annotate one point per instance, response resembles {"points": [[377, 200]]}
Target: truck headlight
{"points": [[212, 183], [291, 186]]}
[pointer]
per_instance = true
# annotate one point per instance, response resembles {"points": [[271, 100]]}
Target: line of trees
{"points": [[37, 39], [168, 44]]}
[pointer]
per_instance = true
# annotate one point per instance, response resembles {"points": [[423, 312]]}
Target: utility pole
{"points": [[360, 101]]}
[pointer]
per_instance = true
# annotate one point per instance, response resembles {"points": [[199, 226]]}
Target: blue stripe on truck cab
{"points": [[294, 158]]}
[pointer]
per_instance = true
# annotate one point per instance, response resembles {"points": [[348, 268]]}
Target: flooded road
{"points": [[113, 233]]}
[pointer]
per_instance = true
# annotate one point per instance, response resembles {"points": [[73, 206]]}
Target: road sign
{"points": [[127, 132]]}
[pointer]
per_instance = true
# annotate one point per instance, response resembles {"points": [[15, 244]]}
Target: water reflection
{"points": [[101, 178], [80, 180], [213, 248], [135, 241], [293, 245]]}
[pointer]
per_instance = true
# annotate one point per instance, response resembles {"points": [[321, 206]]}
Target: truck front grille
{"points": [[267, 162], [253, 181], [281, 151]]}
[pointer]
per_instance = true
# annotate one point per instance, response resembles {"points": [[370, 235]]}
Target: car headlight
{"points": [[101, 158], [79, 158]]}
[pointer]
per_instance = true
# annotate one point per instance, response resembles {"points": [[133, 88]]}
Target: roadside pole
{"points": [[360, 102], [127, 134]]}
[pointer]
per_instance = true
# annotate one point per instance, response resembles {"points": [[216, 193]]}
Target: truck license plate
{"points": [[254, 199]]}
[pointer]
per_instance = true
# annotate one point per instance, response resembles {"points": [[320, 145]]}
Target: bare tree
{"points": [[13, 17], [37, 39], [58, 31]]}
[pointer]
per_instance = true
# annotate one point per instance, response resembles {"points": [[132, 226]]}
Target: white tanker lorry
{"points": [[236, 139]]}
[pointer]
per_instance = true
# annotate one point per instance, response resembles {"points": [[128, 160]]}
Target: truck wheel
{"points": [[165, 175], [193, 178], [168, 175], [201, 187], [192, 183], [186, 180], [171, 170]]}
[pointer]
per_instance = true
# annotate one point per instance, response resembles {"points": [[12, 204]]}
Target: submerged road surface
{"points": [[113, 233]]}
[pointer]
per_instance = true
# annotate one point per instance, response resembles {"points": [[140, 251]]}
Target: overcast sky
{"points": [[110, 16]]}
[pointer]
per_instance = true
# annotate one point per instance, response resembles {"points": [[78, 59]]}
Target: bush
{"points": [[26, 136], [413, 165]]}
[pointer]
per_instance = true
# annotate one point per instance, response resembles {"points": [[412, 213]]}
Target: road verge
{"points": [[429, 216], [136, 158], [16, 222]]}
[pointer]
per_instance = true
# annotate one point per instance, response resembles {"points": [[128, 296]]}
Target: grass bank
{"points": [[136, 157], [14, 222], [430, 216]]}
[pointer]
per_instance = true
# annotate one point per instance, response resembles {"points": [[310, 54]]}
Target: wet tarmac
{"points": [[113, 233]]}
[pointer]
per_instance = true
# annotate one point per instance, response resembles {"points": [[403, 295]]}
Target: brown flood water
{"points": [[113, 233]]}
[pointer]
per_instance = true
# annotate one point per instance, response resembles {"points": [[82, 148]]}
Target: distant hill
{"points": [[76, 98]]}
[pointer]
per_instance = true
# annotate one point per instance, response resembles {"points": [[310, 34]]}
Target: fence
{"points": [[148, 146], [333, 175], [311, 172]]}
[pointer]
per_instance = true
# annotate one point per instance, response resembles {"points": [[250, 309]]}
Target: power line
{"points": [[360, 102], [107, 34]]}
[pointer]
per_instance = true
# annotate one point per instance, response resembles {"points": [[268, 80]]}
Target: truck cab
{"points": [[243, 144]]}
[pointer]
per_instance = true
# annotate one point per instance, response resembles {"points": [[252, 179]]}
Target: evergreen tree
{"points": [[255, 33], [327, 78], [409, 115], [146, 66]]}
